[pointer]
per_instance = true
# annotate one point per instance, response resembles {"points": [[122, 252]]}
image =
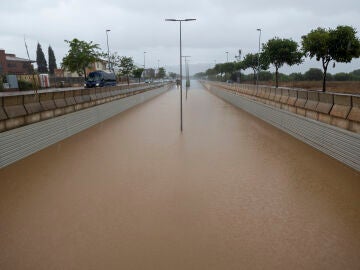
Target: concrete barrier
{"points": [[284, 96], [26, 108], [92, 94], [302, 97], [354, 114], [272, 94], [326, 102], [311, 104], [59, 100], [14, 106], [3, 115], [338, 143], [342, 106], [300, 102], [24, 141], [47, 101], [85, 93], [78, 97], [340, 110], [292, 97], [69, 98], [278, 93], [32, 104], [267, 92]]}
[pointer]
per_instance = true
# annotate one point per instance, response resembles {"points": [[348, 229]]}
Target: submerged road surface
{"points": [[231, 192]]}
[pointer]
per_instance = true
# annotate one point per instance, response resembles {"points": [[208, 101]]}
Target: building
{"points": [[12, 65], [98, 65]]}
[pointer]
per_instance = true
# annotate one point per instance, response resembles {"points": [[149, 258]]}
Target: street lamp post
{"points": [[107, 42], [258, 71], [144, 67], [180, 21], [238, 58]]}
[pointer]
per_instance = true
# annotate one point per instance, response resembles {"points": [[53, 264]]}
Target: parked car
{"points": [[100, 79]]}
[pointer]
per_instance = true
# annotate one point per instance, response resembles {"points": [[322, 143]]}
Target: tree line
{"points": [[339, 45]]}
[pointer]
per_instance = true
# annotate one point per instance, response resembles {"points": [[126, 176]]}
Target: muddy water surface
{"points": [[231, 192]]}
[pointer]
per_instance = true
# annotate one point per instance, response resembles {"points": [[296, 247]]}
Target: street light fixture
{"points": [[257, 77], [180, 21], [107, 42]]}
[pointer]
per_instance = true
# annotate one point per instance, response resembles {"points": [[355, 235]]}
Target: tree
{"points": [[52, 60], [161, 73], [137, 72], [80, 56], [211, 73], [342, 76], [265, 76], [340, 45], [172, 75], [150, 72], [296, 76], [40, 60], [281, 51], [126, 66], [219, 68], [313, 74], [115, 59], [251, 61], [200, 75]]}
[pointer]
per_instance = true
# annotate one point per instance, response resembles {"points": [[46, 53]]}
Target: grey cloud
{"points": [[138, 26]]}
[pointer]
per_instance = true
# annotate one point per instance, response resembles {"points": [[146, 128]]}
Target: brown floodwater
{"points": [[230, 192]]}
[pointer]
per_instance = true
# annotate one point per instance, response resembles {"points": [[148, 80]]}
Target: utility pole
{"points": [[258, 71], [107, 42]]}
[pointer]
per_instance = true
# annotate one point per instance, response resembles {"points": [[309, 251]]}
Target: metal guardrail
{"points": [[335, 142]]}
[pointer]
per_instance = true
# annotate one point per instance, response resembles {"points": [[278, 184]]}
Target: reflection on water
{"points": [[231, 192]]}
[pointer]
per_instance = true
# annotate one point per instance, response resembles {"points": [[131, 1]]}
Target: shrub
{"points": [[24, 85]]}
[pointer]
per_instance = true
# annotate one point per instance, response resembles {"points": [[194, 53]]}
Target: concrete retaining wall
{"points": [[28, 108], [334, 141], [340, 110], [23, 141]]}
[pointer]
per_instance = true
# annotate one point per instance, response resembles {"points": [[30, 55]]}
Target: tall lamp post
{"points": [[180, 21], [144, 67], [238, 58], [257, 77], [107, 42]]}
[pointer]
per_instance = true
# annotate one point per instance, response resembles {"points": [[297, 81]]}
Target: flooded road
{"points": [[231, 192]]}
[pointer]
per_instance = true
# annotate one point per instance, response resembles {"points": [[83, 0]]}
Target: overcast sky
{"points": [[138, 26]]}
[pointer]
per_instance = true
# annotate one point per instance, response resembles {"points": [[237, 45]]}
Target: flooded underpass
{"points": [[230, 192]]}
